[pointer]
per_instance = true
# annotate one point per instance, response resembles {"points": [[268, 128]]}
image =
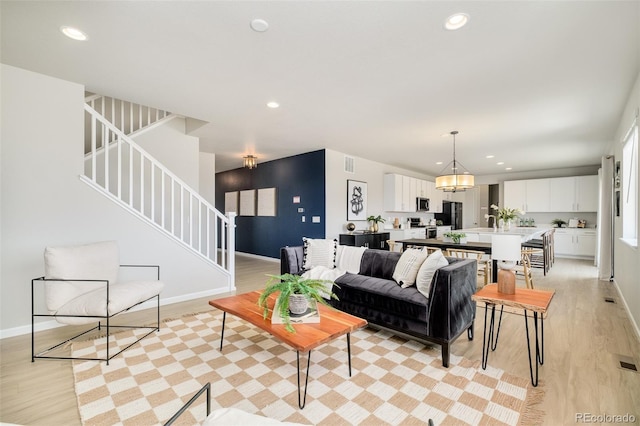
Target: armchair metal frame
{"points": [[106, 318]]}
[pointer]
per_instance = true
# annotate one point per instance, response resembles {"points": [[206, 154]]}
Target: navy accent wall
{"points": [[298, 176]]}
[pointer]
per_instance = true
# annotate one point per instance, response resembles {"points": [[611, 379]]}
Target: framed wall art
{"points": [[356, 200]]}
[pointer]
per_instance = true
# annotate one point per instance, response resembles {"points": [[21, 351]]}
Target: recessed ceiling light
{"points": [[438, 162], [500, 163], [508, 168], [73, 33], [259, 25], [456, 21], [273, 104], [490, 156]]}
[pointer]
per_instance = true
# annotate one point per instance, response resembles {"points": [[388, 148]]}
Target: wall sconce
{"points": [[250, 161]]}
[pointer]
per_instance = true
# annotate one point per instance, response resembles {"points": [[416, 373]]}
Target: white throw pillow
{"points": [[428, 269], [319, 252], [407, 267]]}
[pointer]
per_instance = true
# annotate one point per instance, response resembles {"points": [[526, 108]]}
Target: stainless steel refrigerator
{"points": [[451, 214]]}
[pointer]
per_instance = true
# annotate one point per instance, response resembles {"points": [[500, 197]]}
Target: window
{"points": [[630, 187]]}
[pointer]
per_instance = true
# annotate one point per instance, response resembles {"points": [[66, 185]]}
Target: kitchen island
{"points": [[484, 234]]}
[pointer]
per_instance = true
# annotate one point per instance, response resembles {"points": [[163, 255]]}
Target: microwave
{"points": [[422, 204]]}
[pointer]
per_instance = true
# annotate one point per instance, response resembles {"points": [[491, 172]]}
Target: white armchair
{"points": [[81, 287]]}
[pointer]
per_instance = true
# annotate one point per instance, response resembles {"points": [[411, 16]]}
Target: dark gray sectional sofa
{"points": [[372, 294]]}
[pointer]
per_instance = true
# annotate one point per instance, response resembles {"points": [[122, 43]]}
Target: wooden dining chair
{"points": [[525, 263], [484, 265]]}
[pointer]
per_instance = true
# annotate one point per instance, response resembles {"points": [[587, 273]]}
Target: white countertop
{"points": [[527, 233]]}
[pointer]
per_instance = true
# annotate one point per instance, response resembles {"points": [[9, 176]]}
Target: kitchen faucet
{"points": [[487, 216]]}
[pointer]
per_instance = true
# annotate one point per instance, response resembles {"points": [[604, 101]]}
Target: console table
{"points": [[374, 240]]}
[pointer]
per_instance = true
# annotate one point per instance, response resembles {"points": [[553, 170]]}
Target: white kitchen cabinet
{"points": [[565, 194], [399, 193], [587, 193], [575, 242], [562, 195], [436, 198], [441, 231], [574, 194], [515, 194], [527, 195], [538, 195]]}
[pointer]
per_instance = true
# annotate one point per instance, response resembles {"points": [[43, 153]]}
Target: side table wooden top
{"points": [[524, 298]]}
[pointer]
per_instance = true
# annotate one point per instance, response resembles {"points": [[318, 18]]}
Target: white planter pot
{"points": [[298, 304]]}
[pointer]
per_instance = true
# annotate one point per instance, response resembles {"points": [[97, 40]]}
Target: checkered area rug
{"points": [[394, 381]]}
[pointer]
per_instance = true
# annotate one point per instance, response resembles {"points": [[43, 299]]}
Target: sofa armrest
{"points": [[451, 309], [291, 260]]}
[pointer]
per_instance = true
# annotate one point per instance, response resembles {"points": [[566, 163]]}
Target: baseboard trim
{"points": [[257, 256], [48, 325], [634, 324]]}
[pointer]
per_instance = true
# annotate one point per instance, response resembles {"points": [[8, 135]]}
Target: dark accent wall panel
{"points": [[298, 176]]}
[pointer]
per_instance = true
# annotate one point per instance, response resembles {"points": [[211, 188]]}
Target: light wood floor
{"points": [[584, 337]]}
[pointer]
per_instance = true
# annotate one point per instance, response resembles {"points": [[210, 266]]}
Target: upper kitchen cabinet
{"points": [[527, 195], [400, 193], [575, 194], [566, 194]]}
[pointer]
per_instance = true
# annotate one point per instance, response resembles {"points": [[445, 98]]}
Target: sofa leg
{"points": [[470, 331], [445, 355]]}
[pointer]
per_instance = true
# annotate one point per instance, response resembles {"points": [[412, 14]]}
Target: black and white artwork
{"points": [[356, 200]]}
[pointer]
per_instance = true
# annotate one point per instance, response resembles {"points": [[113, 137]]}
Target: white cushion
{"points": [[121, 296], [428, 270], [319, 252], [407, 267], [97, 261], [348, 258]]}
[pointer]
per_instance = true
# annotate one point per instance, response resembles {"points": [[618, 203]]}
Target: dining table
{"points": [[470, 245]]}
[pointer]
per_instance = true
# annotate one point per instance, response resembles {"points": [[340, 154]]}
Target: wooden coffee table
{"points": [[333, 324], [536, 301]]}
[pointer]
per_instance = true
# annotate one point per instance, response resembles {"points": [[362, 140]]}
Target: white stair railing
{"points": [[131, 177], [126, 116]]}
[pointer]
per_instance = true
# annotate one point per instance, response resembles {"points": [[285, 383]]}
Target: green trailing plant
{"points": [[455, 236], [558, 223], [288, 284]]}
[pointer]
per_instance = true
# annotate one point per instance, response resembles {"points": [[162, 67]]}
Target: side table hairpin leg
{"points": [[490, 341], [539, 345]]}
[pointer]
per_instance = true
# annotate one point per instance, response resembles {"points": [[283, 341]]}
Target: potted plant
{"points": [[558, 223], [374, 220], [294, 294], [455, 237]]}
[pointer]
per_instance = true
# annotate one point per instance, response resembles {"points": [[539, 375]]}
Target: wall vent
{"points": [[609, 300], [349, 164], [628, 366]]}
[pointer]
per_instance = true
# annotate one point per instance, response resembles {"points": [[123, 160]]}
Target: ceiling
{"points": [[537, 84]]}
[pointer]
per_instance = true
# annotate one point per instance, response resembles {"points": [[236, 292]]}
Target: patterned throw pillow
{"points": [[407, 267], [428, 269], [319, 253]]}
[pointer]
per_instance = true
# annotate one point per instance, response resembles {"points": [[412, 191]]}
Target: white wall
{"points": [[367, 171], [44, 203], [626, 258], [207, 172], [178, 152]]}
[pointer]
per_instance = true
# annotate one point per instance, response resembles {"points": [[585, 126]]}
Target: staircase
{"points": [[124, 172]]}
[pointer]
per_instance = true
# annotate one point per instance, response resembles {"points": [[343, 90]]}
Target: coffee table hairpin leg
{"points": [[539, 344], [224, 317], [490, 341]]}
